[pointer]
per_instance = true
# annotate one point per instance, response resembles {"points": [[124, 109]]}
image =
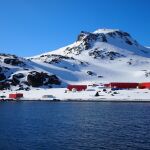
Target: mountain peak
{"points": [[106, 30], [112, 36], [111, 31]]}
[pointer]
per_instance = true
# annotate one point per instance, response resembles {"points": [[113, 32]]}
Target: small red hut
{"points": [[16, 96], [77, 87], [122, 85], [144, 85]]}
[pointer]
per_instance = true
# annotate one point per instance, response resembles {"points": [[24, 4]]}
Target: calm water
{"points": [[74, 126]]}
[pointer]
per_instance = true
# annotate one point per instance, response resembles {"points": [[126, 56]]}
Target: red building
{"points": [[77, 87], [107, 85], [144, 85], [16, 96], [122, 85]]}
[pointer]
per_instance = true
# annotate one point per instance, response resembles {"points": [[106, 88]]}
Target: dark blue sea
{"points": [[74, 126]]}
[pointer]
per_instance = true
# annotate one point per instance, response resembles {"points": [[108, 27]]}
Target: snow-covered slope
{"points": [[102, 56]]}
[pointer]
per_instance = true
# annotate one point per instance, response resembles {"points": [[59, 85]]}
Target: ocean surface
{"points": [[74, 126]]}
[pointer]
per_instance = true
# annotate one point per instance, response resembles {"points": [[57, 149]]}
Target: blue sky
{"points": [[31, 27]]}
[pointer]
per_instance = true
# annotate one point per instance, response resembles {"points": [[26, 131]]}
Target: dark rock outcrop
{"points": [[13, 61], [37, 79], [4, 85], [2, 76], [19, 75], [104, 54], [53, 79], [90, 73], [87, 38], [16, 78], [54, 58]]}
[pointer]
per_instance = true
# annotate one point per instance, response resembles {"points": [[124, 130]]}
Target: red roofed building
{"points": [[77, 87], [16, 96], [144, 85], [122, 85]]}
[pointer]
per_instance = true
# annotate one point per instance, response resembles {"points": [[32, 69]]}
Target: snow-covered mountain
{"points": [[102, 56]]}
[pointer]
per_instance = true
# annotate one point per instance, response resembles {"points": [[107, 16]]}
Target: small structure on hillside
{"points": [[16, 96], [144, 85], [77, 87], [122, 85]]}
